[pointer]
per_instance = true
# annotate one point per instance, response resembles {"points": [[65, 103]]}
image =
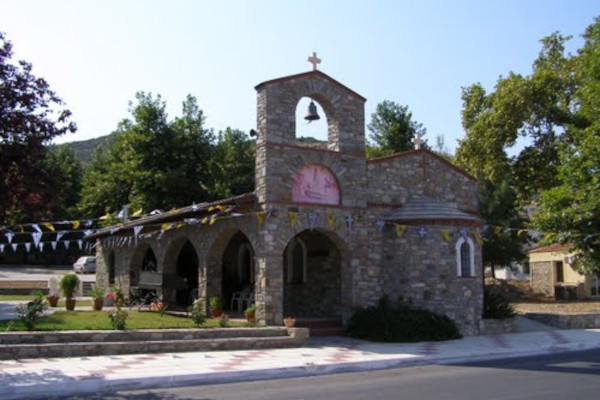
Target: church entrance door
{"points": [[238, 272]]}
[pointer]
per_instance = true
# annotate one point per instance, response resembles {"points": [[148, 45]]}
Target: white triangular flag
{"points": [[36, 236], [80, 243], [137, 230], [53, 245], [14, 246], [60, 234], [36, 227], [9, 236], [67, 243], [28, 247], [1, 248], [41, 246]]}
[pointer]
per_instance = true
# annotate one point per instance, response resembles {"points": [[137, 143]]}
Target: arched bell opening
{"points": [[312, 276], [311, 123]]}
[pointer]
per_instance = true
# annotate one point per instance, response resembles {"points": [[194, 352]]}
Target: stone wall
{"points": [[423, 271], [420, 173], [542, 277], [568, 321]]}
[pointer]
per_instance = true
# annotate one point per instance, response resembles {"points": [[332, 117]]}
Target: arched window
{"points": [[465, 257], [296, 261]]}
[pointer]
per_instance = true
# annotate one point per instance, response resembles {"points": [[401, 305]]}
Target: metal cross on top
{"points": [[314, 60], [417, 141]]}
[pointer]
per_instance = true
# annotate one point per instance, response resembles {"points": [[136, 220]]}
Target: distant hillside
{"points": [[84, 149]]}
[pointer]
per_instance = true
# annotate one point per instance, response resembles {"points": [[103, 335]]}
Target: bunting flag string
{"points": [[400, 229], [331, 218], [260, 218], [446, 235], [293, 217]]}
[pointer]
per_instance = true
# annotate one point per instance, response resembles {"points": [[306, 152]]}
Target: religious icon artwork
{"points": [[315, 184]]}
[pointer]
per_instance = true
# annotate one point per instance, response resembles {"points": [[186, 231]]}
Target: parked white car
{"points": [[85, 265]]}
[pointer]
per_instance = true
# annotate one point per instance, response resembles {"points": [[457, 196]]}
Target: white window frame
{"points": [[290, 258], [471, 245]]}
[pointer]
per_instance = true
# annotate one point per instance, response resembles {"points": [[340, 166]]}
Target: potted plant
{"points": [[97, 294], [68, 285], [53, 291], [289, 322], [215, 307], [250, 313]]}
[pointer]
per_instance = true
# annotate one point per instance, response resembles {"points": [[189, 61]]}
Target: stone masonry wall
{"points": [[423, 271], [542, 277], [420, 173]]}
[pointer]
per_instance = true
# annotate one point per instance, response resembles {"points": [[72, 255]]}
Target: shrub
{"points": [[118, 317], [198, 315], [400, 322], [215, 303], [496, 304], [29, 313], [97, 292], [68, 285], [224, 321]]}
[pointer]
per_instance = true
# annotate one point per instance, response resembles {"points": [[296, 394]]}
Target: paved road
{"points": [[39, 273], [572, 376]]}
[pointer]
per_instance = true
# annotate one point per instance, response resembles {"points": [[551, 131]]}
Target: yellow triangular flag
{"points": [[498, 230], [521, 232], [75, 224], [477, 237], [293, 216], [165, 227], [179, 225], [106, 216], [400, 229], [204, 220], [48, 225], [21, 229], [138, 213], [331, 220], [212, 221], [260, 218], [446, 235]]}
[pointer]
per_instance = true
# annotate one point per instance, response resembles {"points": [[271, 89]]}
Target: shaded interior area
{"points": [[312, 276], [186, 283], [238, 268]]}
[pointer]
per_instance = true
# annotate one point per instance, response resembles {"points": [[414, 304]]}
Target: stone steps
{"points": [[18, 345]]}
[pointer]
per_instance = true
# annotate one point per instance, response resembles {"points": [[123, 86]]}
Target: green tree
{"points": [[153, 163], [232, 164], [556, 109], [392, 129], [66, 174], [570, 211], [30, 116]]}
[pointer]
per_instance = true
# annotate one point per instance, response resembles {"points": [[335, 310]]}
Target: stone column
{"points": [[269, 289]]}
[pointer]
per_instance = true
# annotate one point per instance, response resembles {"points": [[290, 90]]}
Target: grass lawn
{"points": [[99, 320]]}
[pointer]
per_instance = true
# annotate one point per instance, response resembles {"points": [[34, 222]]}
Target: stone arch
{"points": [[144, 259], [230, 248], [322, 290], [318, 129], [181, 270]]}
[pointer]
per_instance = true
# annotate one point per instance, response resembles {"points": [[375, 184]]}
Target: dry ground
{"points": [[525, 300]]}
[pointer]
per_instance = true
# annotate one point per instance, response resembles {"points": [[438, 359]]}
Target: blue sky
{"points": [[97, 54]]}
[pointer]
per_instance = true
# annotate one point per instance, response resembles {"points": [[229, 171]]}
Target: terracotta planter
{"points": [[156, 306], [250, 317], [52, 300], [289, 322], [215, 312], [98, 304], [70, 304]]}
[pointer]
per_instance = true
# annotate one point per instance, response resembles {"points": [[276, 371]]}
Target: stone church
{"points": [[325, 230]]}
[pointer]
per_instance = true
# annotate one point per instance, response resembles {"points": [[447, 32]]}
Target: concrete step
{"points": [[123, 342]]}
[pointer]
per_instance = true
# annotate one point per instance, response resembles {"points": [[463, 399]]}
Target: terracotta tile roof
{"points": [[553, 248]]}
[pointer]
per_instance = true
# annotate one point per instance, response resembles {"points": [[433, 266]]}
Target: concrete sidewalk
{"points": [[42, 378]]}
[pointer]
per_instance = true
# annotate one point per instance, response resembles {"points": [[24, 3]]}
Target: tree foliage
{"points": [[392, 129], [555, 109], [153, 163], [30, 116]]}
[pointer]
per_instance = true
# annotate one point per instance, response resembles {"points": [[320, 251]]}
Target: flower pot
{"points": [[215, 312], [250, 317], [289, 322], [52, 300], [98, 303], [157, 306], [70, 304]]}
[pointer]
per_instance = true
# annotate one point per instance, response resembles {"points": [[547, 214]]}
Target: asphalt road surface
{"points": [[568, 376]]}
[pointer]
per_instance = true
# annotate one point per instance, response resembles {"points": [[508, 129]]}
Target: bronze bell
{"points": [[312, 112]]}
